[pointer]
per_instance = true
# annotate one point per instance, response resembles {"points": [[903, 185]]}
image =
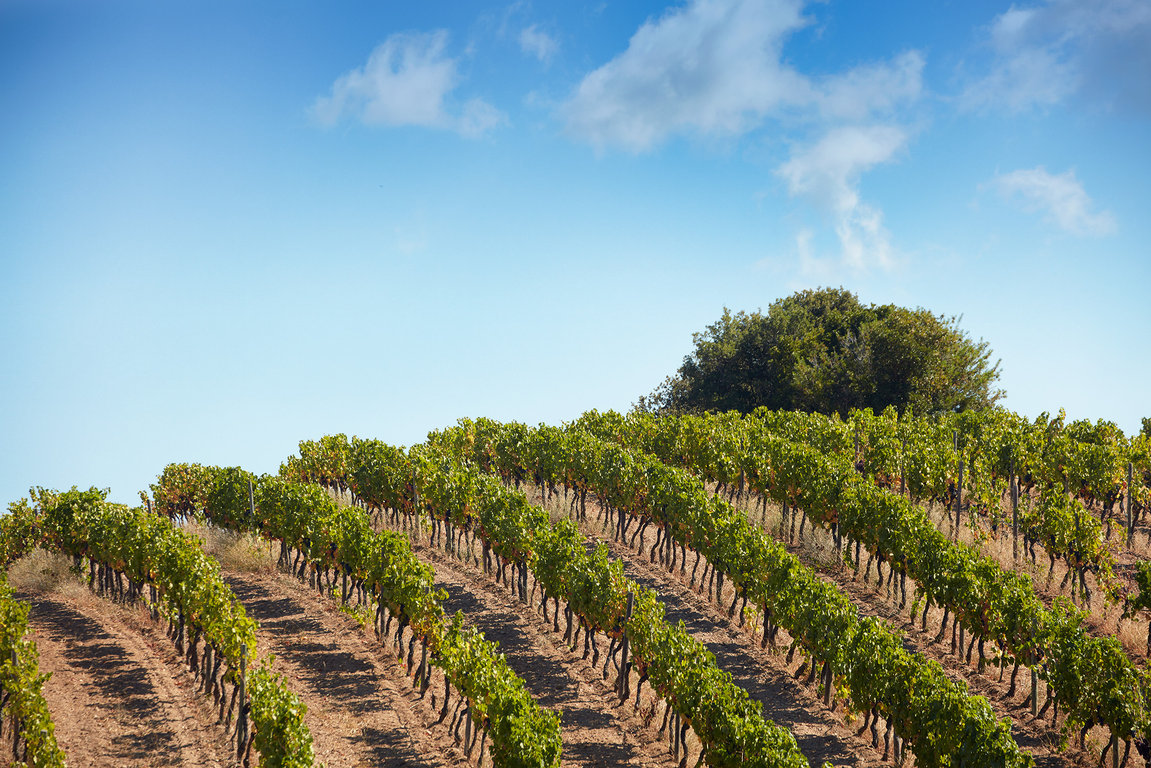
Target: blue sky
{"points": [[225, 227]]}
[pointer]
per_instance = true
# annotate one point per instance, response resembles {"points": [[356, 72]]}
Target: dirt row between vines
{"points": [[597, 730], [1036, 736], [362, 709], [118, 692], [120, 695]]}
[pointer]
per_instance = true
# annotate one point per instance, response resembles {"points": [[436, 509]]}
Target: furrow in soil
{"points": [[597, 730], [119, 693], [362, 710]]}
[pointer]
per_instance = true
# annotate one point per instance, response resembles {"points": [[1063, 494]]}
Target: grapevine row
{"points": [[979, 455], [463, 502], [331, 542], [1090, 678], [1072, 466], [184, 583], [934, 715], [21, 683], [920, 453], [20, 688]]}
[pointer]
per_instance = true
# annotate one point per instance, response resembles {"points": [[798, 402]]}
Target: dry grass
{"points": [[557, 509], [243, 552], [817, 542], [41, 571], [1133, 635]]}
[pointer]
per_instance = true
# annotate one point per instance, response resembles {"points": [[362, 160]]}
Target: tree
{"points": [[824, 351]]}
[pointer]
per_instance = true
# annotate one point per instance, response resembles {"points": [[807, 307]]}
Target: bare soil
{"points": [[597, 730], [118, 692], [362, 709]]}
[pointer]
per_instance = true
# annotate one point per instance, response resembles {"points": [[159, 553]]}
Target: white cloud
{"points": [[715, 68], [535, 42], [873, 88], [812, 266], [864, 239], [1046, 53], [406, 81], [828, 172], [712, 67], [478, 117], [1059, 196]]}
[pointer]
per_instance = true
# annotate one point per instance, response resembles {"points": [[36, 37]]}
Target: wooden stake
{"points": [[959, 500], [1014, 517], [624, 670], [1127, 503]]}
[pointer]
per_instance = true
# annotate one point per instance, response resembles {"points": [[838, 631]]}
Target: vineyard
{"points": [[776, 589]]}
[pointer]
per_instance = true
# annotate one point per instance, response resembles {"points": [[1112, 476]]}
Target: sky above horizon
{"points": [[227, 227]]}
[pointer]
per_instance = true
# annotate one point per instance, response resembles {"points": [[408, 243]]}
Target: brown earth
{"points": [[597, 730], [362, 709], [119, 694]]}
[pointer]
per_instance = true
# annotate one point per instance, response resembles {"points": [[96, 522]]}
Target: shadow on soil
{"points": [[118, 679], [350, 683], [550, 684], [772, 688]]}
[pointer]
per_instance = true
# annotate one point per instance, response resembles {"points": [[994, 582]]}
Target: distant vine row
{"points": [[970, 461]]}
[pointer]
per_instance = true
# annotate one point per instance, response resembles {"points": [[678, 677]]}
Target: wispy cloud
{"points": [[872, 89], [406, 81], [536, 42], [1043, 54], [811, 266], [828, 172], [1060, 197], [477, 118]]}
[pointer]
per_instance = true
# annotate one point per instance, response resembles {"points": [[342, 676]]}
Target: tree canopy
{"points": [[824, 351]]}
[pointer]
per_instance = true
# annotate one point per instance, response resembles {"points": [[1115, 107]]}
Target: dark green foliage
{"points": [[824, 351]]}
